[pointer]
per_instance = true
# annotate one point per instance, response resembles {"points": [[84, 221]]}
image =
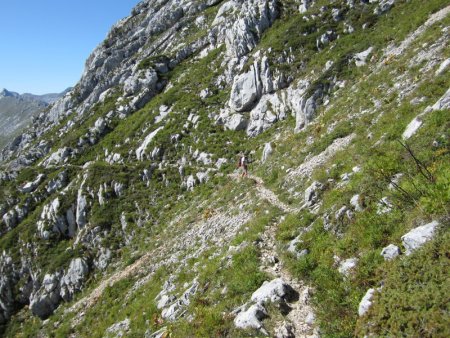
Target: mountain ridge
{"points": [[17, 110]]}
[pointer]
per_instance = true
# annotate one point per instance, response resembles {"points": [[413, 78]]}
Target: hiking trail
{"points": [[301, 316]]}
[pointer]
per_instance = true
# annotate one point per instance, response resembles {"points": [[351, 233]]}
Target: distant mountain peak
{"points": [[5, 92]]}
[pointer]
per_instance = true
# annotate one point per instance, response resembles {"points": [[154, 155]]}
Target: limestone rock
{"points": [[73, 279], [412, 128], [384, 206], [99, 126], [190, 183], [276, 290], [57, 157], [417, 237], [245, 91], [383, 6], [140, 151], [119, 329], [59, 182], [347, 266], [390, 252], [251, 318], [47, 298], [236, 122], [360, 58], [81, 209], [355, 202], [177, 309], [31, 186], [267, 151], [312, 193], [103, 258], [285, 330], [55, 220], [252, 19], [304, 6], [366, 302], [443, 102]]}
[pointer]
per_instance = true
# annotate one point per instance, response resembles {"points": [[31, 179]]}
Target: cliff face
{"points": [[121, 198]]}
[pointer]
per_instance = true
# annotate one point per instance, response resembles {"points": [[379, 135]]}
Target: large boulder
{"points": [[417, 237], [236, 122], [276, 290], [246, 90], [55, 220], [46, 299], [73, 279], [251, 318]]}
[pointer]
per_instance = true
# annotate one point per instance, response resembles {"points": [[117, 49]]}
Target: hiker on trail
{"points": [[243, 165]]}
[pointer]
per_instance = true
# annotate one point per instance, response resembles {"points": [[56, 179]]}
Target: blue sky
{"points": [[44, 43]]}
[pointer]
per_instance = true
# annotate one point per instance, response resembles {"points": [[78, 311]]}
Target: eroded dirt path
{"points": [[301, 315]]}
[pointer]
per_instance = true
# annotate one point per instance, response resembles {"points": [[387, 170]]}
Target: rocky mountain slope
{"points": [[16, 111], [123, 213]]}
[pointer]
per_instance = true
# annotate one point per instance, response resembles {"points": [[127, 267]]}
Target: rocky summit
{"points": [[123, 212]]}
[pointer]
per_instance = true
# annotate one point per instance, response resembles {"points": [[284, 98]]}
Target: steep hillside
{"points": [[124, 214], [17, 111]]}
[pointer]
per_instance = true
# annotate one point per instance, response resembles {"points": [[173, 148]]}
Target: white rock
{"points": [[273, 291], [366, 302], [384, 206], [251, 319], [443, 67], [390, 252], [73, 280], [119, 329], [347, 266], [417, 237], [245, 91], [443, 102], [164, 301], [266, 152], [190, 183], [412, 128], [140, 152], [304, 6], [312, 193], [81, 213], [31, 186], [360, 58], [285, 330], [220, 162], [236, 122], [99, 125], [355, 202], [383, 6]]}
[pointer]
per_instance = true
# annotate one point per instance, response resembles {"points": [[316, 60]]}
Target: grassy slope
{"points": [[336, 299]]}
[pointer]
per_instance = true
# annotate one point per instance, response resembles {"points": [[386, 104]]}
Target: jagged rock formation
{"points": [[122, 196]]}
